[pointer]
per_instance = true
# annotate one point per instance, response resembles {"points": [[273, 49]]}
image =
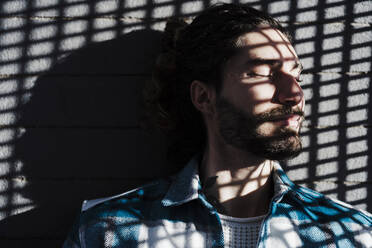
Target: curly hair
{"points": [[196, 51]]}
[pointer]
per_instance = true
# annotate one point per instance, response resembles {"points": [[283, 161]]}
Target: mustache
{"points": [[278, 113]]}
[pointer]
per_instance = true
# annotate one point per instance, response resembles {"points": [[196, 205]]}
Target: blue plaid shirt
{"points": [[174, 212]]}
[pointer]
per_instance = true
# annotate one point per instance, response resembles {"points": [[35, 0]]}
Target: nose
{"points": [[289, 92]]}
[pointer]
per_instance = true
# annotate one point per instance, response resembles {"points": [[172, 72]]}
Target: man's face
{"points": [[260, 106]]}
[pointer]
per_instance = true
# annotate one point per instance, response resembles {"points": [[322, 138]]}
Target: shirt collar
{"points": [[186, 184]]}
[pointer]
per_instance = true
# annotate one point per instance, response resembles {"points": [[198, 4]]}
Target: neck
{"points": [[243, 185]]}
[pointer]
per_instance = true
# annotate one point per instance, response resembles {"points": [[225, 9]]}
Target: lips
{"points": [[288, 120]]}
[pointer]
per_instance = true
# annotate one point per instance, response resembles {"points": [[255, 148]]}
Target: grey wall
{"points": [[71, 119]]}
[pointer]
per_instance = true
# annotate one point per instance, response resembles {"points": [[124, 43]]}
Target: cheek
{"points": [[253, 97], [260, 97]]}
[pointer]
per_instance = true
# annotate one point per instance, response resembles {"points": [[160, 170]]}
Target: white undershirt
{"points": [[240, 232]]}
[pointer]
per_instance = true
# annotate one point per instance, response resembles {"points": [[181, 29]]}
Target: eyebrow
{"points": [[273, 62]]}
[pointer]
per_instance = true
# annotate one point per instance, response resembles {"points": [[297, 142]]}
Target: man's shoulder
{"points": [[327, 209], [100, 217]]}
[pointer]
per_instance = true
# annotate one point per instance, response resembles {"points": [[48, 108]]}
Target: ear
{"points": [[203, 97]]}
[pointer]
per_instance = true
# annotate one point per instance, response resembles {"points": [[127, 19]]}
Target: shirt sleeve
{"points": [[73, 238], [69, 243]]}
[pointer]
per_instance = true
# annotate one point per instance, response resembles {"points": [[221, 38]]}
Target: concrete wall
{"points": [[70, 83]]}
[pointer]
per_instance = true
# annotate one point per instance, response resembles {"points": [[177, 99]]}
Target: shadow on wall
{"points": [[83, 136]]}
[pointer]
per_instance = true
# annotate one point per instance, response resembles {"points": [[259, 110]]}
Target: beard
{"points": [[241, 130]]}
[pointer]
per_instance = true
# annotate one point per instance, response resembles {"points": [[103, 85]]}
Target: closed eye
{"points": [[253, 74]]}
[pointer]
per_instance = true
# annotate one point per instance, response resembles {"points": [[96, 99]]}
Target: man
{"points": [[227, 93]]}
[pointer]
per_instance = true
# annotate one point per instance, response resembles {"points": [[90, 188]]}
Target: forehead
{"points": [[266, 43]]}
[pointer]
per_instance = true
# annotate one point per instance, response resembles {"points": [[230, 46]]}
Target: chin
{"points": [[284, 144], [282, 148]]}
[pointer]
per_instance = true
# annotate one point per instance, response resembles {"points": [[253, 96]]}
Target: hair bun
{"points": [[171, 33], [166, 61]]}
